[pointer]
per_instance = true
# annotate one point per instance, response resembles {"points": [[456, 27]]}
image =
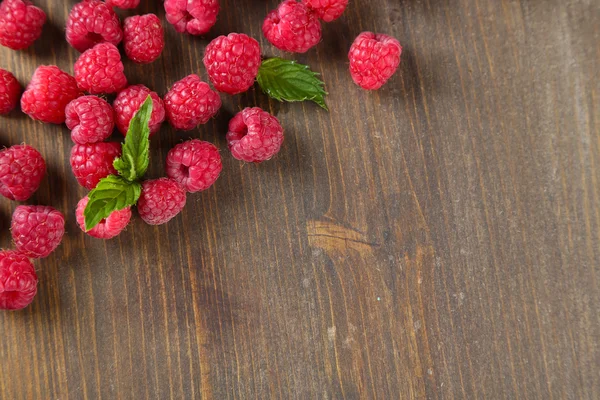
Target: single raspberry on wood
{"points": [[327, 10], [191, 102], [254, 135], [194, 164], [37, 230], [10, 91], [129, 101], [22, 169], [100, 70], [195, 17], [109, 227], [124, 4], [374, 58], [232, 62], [90, 119], [48, 93], [21, 23], [161, 200], [143, 38], [91, 22], [94, 161], [292, 27], [18, 280]]}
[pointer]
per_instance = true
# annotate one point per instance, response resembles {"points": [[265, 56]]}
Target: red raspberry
{"points": [[94, 161], [327, 10], [191, 102], [129, 101], [194, 164], [292, 27], [10, 91], [254, 135], [109, 227], [161, 200], [143, 37], [373, 59], [232, 62], [90, 119], [48, 93], [100, 70], [21, 23], [195, 17], [37, 230], [22, 169], [18, 280], [124, 4], [91, 22]]}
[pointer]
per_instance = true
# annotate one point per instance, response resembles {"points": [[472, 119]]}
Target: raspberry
{"points": [[195, 17], [143, 37], [191, 102], [109, 227], [292, 27], [373, 59], [100, 70], [91, 22], [129, 101], [94, 161], [90, 119], [21, 23], [48, 93], [254, 135], [194, 164], [22, 169], [161, 200], [124, 4], [18, 280], [327, 10], [10, 91], [232, 62], [37, 230]]}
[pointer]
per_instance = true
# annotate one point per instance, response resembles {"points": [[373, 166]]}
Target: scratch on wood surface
{"points": [[331, 236]]}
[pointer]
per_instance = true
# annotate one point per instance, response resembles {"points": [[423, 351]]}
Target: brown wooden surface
{"points": [[436, 239]]}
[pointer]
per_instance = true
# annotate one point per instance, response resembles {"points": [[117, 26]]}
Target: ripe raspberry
{"points": [[22, 169], [373, 59], [254, 135], [161, 200], [94, 161], [191, 102], [21, 23], [129, 101], [100, 70], [143, 37], [48, 93], [90, 119], [10, 91], [292, 27], [327, 10], [109, 227], [124, 4], [91, 22], [18, 280], [194, 164], [195, 17], [37, 230], [232, 62]]}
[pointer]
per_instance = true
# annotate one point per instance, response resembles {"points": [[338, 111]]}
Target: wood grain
{"points": [[438, 238]]}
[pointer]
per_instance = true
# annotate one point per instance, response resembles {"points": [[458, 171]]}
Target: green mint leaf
{"points": [[286, 80], [133, 163], [112, 193]]}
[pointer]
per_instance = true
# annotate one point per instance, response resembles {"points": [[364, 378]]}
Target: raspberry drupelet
{"points": [[327, 10], [123, 4]]}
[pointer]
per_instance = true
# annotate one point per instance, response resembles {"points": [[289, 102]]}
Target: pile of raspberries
{"points": [[54, 96]]}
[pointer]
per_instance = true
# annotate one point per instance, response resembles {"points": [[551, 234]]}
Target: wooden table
{"points": [[438, 238]]}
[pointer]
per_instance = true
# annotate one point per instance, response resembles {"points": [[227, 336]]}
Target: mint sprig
{"points": [[286, 80], [115, 193]]}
